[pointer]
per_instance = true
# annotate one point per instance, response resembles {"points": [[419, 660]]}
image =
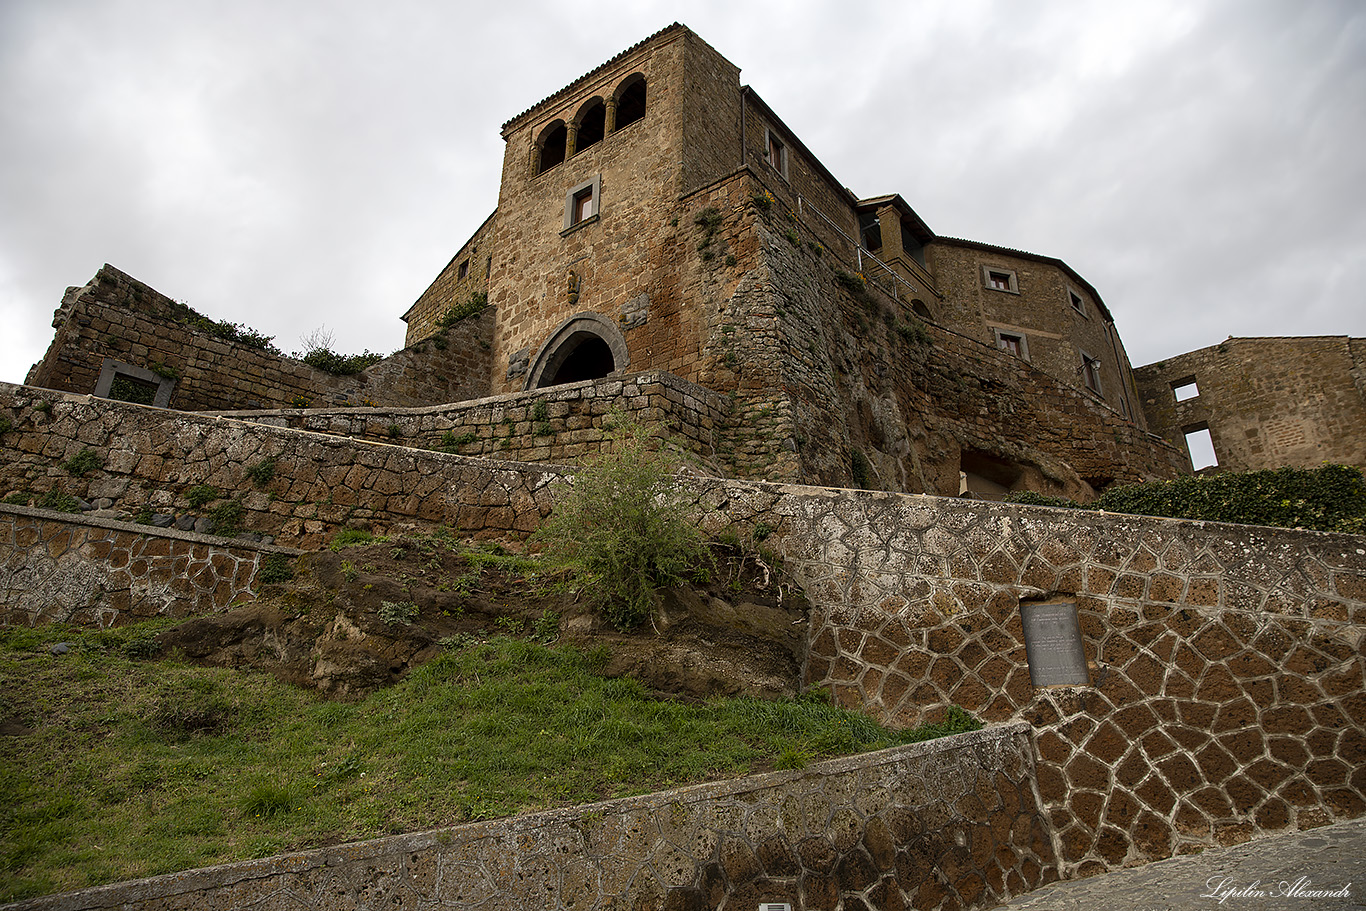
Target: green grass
{"points": [[135, 768]]}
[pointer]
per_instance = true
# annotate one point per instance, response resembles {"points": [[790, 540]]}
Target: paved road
{"points": [[1269, 874]]}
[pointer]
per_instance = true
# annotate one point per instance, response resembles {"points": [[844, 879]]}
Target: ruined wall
{"points": [[465, 276], [1227, 662], [1267, 402], [115, 318], [448, 365], [952, 823], [1038, 306], [97, 572]]}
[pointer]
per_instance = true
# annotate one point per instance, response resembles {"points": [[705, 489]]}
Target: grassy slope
{"points": [[122, 768]]}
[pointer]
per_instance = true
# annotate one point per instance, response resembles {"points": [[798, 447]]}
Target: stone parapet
{"points": [[952, 823], [295, 486], [560, 424], [56, 568]]}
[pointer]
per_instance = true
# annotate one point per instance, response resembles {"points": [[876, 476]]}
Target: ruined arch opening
{"points": [[630, 101], [550, 146], [919, 308], [592, 124], [586, 346]]}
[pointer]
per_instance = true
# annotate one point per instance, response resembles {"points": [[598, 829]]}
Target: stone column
{"points": [[571, 140], [610, 126], [889, 220]]}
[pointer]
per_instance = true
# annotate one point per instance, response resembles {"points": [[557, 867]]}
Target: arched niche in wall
{"points": [[550, 146], [587, 346], [592, 123], [630, 98]]}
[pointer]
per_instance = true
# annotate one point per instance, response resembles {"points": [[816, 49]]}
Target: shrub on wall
{"points": [[1329, 498], [621, 527], [477, 302], [233, 332], [329, 361]]}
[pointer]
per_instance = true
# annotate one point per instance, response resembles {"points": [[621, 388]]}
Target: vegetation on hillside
{"points": [[116, 767], [621, 527], [1330, 498]]}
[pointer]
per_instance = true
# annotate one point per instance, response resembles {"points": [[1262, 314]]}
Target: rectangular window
{"points": [[1200, 446], [1090, 372], [775, 152], [1075, 299], [463, 270], [1000, 279], [1185, 389], [1014, 342], [583, 206], [581, 203]]}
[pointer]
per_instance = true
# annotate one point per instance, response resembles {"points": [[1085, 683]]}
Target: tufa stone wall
{"points": [[952, 823], [116, 320], [1267, 402], [97, 572], [1226, 697], [1039, 307], [561, 424], [317, 483]]}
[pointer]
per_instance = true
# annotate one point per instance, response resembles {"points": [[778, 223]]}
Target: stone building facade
{"points": [[656, 214], [1266, 402]]}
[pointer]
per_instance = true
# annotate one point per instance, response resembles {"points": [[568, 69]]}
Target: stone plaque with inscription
{"points": [[1053, 644]]}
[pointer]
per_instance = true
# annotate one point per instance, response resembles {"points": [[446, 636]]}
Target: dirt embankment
{"points": [[357, 619]]}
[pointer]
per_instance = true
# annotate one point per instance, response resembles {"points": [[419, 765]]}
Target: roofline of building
{"points": [[1250, 338], [667, 30], [1038, 258], [449, 262], [894, 199], [796, 141]]}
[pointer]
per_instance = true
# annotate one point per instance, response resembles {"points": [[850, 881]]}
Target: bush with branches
{"points": [[621, 526]]}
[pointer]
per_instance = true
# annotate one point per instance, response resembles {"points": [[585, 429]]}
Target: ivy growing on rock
{"points": [[1329, 498]]}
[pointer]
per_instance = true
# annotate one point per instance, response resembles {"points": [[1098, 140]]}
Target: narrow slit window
{"points": [[1090, 373]]}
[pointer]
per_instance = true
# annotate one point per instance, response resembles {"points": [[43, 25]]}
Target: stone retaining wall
{"points": [[560, 424], [151, 459], [1227, 662], [96, 572], [953, 823]]}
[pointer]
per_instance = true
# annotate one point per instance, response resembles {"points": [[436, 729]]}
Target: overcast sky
{"points": [[292, 165]]}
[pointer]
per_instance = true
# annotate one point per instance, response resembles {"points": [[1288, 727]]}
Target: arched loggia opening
{"points": [[550, 147], [630, 98], [587, 346]]}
